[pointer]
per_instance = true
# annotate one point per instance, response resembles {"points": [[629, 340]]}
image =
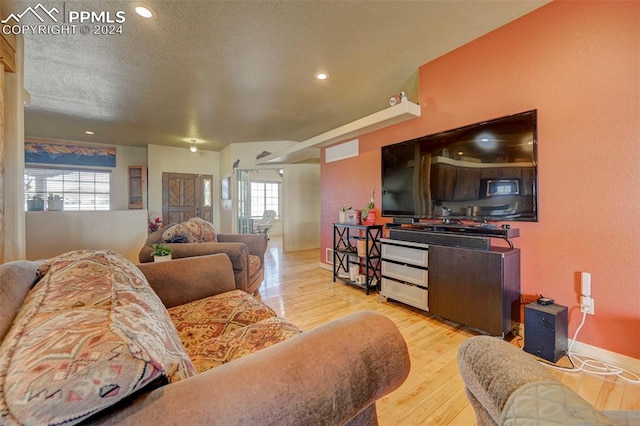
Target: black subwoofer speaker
{"points": [[545, 331]]}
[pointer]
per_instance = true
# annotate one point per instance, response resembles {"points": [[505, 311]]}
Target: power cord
{"points": [[590, 365]]}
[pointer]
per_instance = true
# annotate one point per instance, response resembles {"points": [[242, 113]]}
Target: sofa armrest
{"points": [[16, 279], [492, 370], [256, 243], [328, 375], [237, 252], [550, 402], [183, 280]]}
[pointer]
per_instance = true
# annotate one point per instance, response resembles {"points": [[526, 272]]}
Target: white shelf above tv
{"points": [[477, 163], [310, 148]]}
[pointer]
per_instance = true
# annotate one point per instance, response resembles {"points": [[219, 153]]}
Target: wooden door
{"points": [[443, 177], [467, 184], [185, 196]]}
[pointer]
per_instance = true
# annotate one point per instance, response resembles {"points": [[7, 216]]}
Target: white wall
{"points": [[180, 160], [301, 201], [52, 233], [125, 156], [226, 210], [247, 152]]}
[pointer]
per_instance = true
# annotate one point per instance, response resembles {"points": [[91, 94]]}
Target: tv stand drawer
{"points": [[405, 273], [407, 253], [406, 293]]}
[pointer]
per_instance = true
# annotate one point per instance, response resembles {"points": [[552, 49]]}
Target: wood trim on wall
{"points": [[2, 123], [8, 53]]}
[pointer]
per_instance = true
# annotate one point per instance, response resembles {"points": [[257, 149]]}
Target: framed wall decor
{"points": [[137, 187], [224, 188], [77, 155]]}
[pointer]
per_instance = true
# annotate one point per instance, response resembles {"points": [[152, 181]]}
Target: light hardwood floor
{"points": [[433, 394]]}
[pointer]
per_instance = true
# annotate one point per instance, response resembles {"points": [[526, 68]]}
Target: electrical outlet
{"points": [[586, 301], [588, 307]]}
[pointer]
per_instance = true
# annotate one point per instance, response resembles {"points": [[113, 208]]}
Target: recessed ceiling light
{"points": [[322, 76], [145, 11], [89, 132]]}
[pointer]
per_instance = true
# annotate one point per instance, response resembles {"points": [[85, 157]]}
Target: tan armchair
{"points": [[246, 252]]}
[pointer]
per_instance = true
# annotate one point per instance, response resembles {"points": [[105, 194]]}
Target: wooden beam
{"points": [[8, 52]]}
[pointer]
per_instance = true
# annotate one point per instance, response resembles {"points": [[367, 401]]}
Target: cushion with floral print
{"points": [[194, 230], [89, 333]]}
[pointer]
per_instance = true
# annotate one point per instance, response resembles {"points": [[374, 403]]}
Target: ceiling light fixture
{"points": [[322, 76], [89, 132], [193, 147], [145, 11]]}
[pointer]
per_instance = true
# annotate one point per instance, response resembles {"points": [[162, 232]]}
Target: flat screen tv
{"points": [[485, 172]]}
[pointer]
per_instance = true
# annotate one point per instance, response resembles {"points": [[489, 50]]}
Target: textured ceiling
{"points": [[238, 71]]}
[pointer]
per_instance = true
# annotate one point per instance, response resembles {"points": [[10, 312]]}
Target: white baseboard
{"points": [[613, 358], [325, 266], [618, 360]]}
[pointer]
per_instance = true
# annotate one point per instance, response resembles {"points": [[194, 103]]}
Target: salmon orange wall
{"points": [[578, 64]]}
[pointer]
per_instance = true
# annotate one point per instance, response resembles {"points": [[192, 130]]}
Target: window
{"points": [[207, 192], [265, 196], [81, 189]]}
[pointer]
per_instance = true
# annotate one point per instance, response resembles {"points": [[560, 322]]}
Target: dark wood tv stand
{"points": [[465, 278]]}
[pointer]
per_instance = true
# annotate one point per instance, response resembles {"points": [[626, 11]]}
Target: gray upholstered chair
{"points": [[507, 386]]}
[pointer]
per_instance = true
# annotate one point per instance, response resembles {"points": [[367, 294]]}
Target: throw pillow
{"points": [[241, 342], [194, 230], [212, 316], [89, 333]]}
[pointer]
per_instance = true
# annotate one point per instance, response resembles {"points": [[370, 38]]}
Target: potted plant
{"points": [[55, 202], [35, 203], [369, 212], [160, 252]]}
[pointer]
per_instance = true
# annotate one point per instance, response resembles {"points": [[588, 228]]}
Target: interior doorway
{"points": [[259, 190], [185, 196]]}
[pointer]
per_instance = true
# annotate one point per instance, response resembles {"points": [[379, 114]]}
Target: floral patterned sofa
{"points": [[197, 237], [89, 337]]}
